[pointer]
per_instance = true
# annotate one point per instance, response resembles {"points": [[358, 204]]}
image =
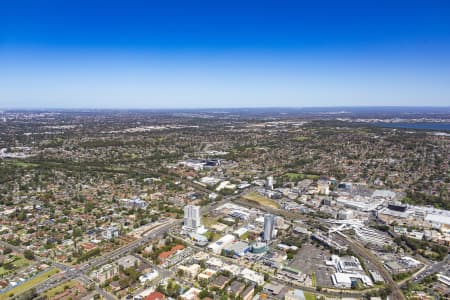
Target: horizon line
{"points": [[4, 109]]}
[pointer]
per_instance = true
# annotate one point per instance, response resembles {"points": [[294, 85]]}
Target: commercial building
{"points": [[110, 233], [397, 206], [376, 277], [195, 164], [221, 243], [347, 280], [323, 187], [252, 276], [128, 261], [150, 276], [383, 194], [236, 249], [225, 185], [105, 273], [438, 219], [258, 248], [372, 237], [273, 289], [232, 269], [214, 263], [240, 232], [239, 214], [191, 294], [190, 271], [236, 288], [444, 279], [348, 272], [404, 264], [285, 247], [199, 239], [200, 256], [206, 275], [247, 294], [345, 214], [360, 203], [346, 264], [394, 267], [292, 274], [328, 241], [133, 203], [209, 180], [220, 282]]}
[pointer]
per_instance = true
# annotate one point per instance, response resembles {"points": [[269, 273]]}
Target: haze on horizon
{"points": [[179, 54]]}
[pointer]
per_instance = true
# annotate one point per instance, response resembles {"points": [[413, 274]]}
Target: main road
{"points": [[80, 271], [432, 269], [354, 245]]}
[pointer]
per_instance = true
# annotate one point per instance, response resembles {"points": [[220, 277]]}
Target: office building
{"points": [[269, 222]]}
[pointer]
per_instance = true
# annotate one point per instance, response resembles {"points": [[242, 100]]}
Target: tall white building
{"points": [[269, 222], [192, 216], [270, 182]]}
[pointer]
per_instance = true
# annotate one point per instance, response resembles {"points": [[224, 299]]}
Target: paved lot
{"points": [[323, 276], [311, 259]]}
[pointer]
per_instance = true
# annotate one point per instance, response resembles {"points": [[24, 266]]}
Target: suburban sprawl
{"points": [[237, 204]]}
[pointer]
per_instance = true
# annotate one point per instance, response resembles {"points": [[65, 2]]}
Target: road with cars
{"points": [[432, 269], [80, 272]]}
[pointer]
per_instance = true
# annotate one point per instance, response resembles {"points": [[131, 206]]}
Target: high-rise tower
{"points": [[192, 216], [269, 222]]}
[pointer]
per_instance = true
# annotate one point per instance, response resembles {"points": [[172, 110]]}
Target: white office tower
{"points": [[270, 182], [269, 222], [192, 216]]}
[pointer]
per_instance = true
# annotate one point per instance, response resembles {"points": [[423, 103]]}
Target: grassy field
{"points": [[255, 197], [313, 279], [29, 284], [301, 139], [244, 236], [24, 164], [14, 265], [213, 236], [309, 296], [61, 288], [300, 176], [208, 222]]}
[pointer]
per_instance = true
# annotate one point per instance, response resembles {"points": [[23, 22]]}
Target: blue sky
{"points": [[178, 54]]}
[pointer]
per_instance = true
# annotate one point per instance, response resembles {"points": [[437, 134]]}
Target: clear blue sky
{"points": [[172, 54]]}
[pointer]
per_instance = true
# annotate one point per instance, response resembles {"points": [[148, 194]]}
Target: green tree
{"points": [[28, 254]]}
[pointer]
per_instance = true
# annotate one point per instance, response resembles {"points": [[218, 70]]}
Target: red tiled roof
{"points": [[155, 296], [88, 246], [164, 255]]}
